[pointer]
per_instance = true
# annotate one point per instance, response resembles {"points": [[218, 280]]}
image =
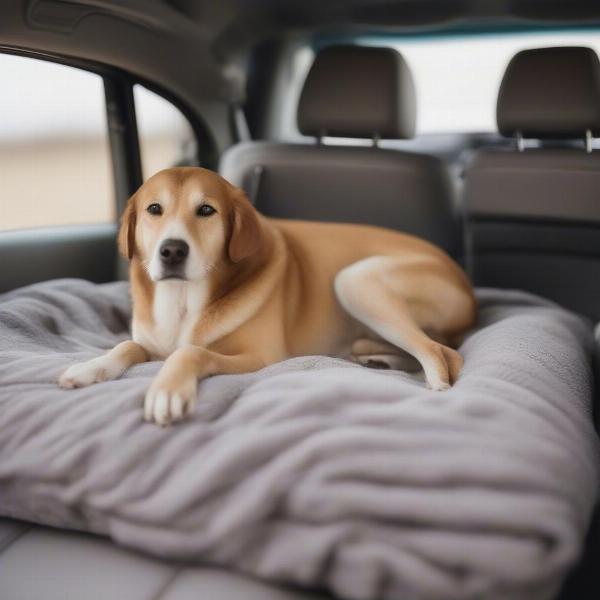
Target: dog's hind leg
{"points": [[399, 299]]}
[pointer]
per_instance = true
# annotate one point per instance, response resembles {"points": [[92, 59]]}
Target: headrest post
{"points": [[376, 138], [588, 141], [520, 141]]}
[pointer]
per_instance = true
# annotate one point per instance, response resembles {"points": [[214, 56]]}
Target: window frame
{"points": [[122, 126]]}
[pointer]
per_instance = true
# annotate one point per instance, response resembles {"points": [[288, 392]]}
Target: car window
{"points": [[166, 136], [457, 77], [55, 166]]}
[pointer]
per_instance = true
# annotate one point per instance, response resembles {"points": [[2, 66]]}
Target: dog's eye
{"points": [[205, 210], [155, 209]]}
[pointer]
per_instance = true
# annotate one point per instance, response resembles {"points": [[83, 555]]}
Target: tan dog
{"points": [[219, 288]]}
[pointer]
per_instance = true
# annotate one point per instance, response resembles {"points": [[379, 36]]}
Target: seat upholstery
{"points": [[40, 562], [533, 214], [535, 100], [538, 183], [354, 91], [550, 92], [407, 191]]}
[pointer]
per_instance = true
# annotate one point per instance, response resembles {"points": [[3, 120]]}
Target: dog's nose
{"points": [[173, 252]]}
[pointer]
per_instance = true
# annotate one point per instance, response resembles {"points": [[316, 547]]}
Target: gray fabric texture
{"points": [[358, 91], [314, 470], [39, 563]]}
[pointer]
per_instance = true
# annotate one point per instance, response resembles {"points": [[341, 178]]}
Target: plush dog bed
{"points": [[314, 470]]}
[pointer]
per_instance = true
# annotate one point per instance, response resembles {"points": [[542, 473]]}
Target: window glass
{"points": [[457, 78], [55, 166], [166, 137]]}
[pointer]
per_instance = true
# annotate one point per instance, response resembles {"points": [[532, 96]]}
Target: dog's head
{"points": [[184, 222]]}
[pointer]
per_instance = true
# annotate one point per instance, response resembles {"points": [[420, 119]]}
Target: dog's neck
{"points": [[223, 285]]}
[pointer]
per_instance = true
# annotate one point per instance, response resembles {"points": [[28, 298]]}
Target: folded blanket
{"points": [[314, 470]]}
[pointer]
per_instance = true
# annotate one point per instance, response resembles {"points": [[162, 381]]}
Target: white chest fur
{"points": [[177, 307]]}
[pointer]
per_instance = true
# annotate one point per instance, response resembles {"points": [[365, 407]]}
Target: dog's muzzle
{"points": [[173, 254]]}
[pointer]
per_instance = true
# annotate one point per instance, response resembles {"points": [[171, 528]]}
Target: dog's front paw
{"points": [[166, 404], [85, 373]]}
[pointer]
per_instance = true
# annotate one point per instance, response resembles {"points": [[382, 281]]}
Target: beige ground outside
{"points": [[65, 182]]}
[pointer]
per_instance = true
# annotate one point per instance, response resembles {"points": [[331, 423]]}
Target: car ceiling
{"points": [[195, 48]]}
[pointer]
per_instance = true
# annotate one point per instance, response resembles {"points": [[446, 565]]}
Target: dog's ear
{"points": [[126, 238], [246, 235]]}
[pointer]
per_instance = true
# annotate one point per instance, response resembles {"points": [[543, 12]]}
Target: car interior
{"points": [[318, 111]]}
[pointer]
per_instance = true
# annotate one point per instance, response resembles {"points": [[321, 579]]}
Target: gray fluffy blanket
{"points": [[314, 471]]}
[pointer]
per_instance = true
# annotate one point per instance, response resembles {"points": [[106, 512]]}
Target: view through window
{"points": [[457, 78], [55, 166]]}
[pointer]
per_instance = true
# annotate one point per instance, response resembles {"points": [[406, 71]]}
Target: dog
{"points": [[219, 288]]}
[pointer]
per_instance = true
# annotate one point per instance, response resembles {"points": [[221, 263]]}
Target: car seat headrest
{"points": [[359, 92], [551, 93]]}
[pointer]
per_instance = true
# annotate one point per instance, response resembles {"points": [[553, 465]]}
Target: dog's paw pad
{"points": [[372, 363]]}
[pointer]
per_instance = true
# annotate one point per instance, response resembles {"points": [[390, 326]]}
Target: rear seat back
{"points": [[545, 93], [534, 213], [354, 92]]}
